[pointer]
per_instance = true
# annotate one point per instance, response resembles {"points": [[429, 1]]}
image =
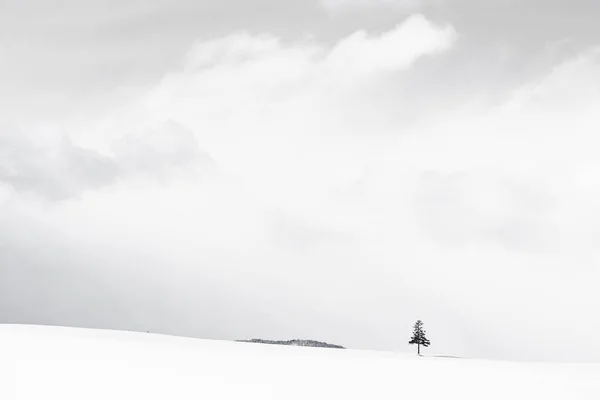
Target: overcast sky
{"points": [[331, 170]]}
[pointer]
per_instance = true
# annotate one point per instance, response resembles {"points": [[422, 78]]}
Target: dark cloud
{"points": [[56, 169]]}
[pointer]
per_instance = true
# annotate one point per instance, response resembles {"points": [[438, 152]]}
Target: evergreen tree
{"points": [[418, 337]]}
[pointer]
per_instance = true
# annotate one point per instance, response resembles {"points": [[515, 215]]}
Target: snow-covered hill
{"points": [[75, 364]]}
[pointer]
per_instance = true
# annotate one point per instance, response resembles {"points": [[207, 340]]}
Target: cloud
{"points": [[520, 174], [575, 77], [472, 206], [53, 166], [249, 74], [301, 237], [393, 50], [159, 149], [296, 98]]}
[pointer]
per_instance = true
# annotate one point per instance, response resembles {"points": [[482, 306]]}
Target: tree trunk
{"points": [[419, 348]]}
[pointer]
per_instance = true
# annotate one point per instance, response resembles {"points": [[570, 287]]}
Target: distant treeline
{"points": [[295, 342]]}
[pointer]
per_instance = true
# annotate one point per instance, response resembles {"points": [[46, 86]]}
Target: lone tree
{"points": [[418, 336]]}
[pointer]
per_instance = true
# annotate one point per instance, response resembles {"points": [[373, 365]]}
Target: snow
{"points": [[73, 364]]}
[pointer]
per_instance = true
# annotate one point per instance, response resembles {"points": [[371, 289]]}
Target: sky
{"points": [[330, 170]]}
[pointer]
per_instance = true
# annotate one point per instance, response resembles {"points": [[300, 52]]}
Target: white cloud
{"points": [[393, 50], [159, 149], [260, 93]]}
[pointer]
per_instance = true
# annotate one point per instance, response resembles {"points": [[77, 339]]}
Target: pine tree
{"points": [[418, 337]]}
